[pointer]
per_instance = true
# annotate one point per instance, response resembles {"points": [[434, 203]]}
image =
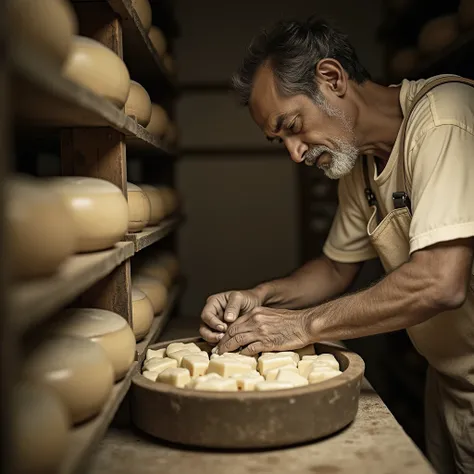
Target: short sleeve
{"points": [[442, 184], [348, 241]]}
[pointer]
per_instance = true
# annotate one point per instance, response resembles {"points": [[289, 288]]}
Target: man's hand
{"points": [[266, 330], [225, 308]]}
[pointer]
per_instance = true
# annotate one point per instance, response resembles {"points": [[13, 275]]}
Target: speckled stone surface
{"points": [[373, 444]]}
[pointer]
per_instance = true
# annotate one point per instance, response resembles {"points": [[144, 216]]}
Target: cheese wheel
{"points": [[158, 40], [99, 209], [143, 9], [149, 269], [105, 328], [438, 34], [170, 199], [169, 64], [78, 370], [157, 211], [93, 65], [404, 62], [154, 290], [40, 426], [466, 14], [158, 122], [138, 105], [39, 228], [139, 208], [43, 29], [171, 134], [170, 262], [142, 314]]}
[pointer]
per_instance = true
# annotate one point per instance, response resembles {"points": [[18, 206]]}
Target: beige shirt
{"points": [[439, 158]]}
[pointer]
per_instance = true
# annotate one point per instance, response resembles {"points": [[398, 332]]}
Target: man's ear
{"points": [[330, 75]]}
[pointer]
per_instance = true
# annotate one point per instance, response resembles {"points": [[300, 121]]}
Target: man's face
{"points": [[320, 135]]}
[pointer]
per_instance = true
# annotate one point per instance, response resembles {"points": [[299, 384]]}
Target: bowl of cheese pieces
{"points": [[189, 394]]}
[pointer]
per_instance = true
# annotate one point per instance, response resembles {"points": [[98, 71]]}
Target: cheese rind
{"points": [[217, 385], [227, 366], [267, 363], [274, 385], [158, 365], [158, 353], [196, 363], [294, 378], [178, 377], [320, 376], [272, 374]]}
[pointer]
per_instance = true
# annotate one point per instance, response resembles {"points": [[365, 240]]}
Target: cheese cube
{"points": [[272, 361], [272, 373], [306, 351], [216, 385], [247, 382], [158, 365], [227, 366], [203, 378], [197, 364], [288, 376], [273, 355], [320, 376], [304, 366], [158, 353], [177, 377], [179, 346], [264, 386], [330, 360], [150, 375], [178, 355], [308, 366], [234, 355]]}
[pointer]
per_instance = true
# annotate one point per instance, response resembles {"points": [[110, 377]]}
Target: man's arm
{"points": [[316, 281]]}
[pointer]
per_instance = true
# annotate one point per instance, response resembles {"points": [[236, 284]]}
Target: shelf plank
{"points": [[47, 99], [159, 324], [84, 439], [34, 301], [151, 235], [141, 58]]}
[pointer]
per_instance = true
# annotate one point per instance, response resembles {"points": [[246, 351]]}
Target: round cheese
{"points": [[466, 14], [157, 207], [78, 370], [438, 34], [158, 122], [170, 262], [43, 29], [139, 208], [142, 314], [105, 328], [99, 209], [143, 9], [40, 428], [93, 65], [169, 64], [404, 62], [39, 228], [138, 105], [170, 199], [158, 40], [171, 134], [154, 289]]}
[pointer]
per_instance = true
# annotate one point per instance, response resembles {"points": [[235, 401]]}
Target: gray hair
{"points": [[293, 49]]}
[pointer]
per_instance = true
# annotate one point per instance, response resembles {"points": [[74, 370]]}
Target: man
{"points": [[406, 194]]}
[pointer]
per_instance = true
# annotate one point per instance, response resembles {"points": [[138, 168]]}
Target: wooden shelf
{"points": [[47, 99], [159, 324], [84, 439], [34, 301], [150, 235]]}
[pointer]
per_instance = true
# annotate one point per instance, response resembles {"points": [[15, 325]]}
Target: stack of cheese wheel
{"points": [[404, 62], [40, 428], [138, 105], [163, 267], [158, 122], [39, 228], [170, 199], [466, 14], [93, 65], [44, 29], [99, 209], [438, 34], [184, 365], [157, 204], [143, 9], [154, 289], [139, 208], [105, 328], [158, 40], [77, 369], [142, 314]]}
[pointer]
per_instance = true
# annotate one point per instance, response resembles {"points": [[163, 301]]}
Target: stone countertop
{"points": [[373, 444]]}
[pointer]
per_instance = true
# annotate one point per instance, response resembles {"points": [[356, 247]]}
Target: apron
{"points": [[449, 397]]}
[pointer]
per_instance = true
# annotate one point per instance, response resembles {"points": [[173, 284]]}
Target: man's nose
{"points": [[296, 149]]}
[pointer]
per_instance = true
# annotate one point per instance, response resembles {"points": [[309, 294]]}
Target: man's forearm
{"points": [[313, 283]]}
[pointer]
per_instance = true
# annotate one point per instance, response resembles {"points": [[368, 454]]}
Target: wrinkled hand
{"points": [[225, 308], [266, 330]]}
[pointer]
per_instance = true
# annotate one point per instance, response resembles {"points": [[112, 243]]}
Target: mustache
{"points": [[312, 155]]}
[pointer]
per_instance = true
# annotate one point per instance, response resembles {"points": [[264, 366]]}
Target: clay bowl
{"points": [[243, 420]]}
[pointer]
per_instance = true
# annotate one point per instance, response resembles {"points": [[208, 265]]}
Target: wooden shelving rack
{"points": [[83, 123]]}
